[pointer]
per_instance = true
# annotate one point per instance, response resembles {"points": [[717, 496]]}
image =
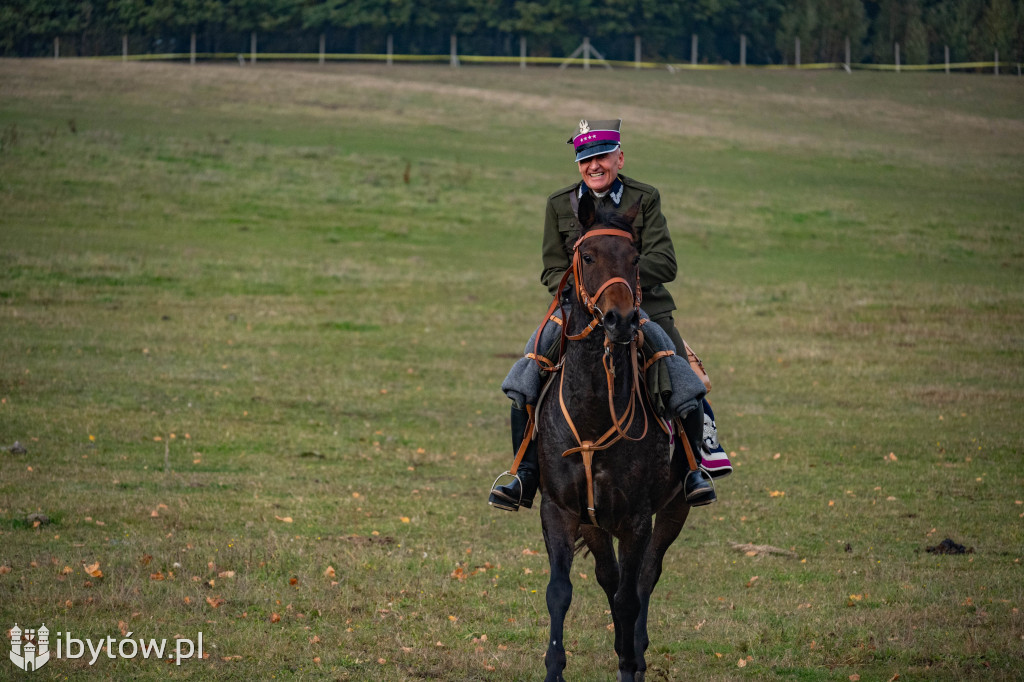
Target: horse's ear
{"points": [[587, 212], [631, 214]]}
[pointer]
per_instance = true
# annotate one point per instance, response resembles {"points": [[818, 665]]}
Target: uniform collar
{"points": [[614, 193]]}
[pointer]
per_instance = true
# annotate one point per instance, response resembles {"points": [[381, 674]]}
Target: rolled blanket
{"points": [[673, 386]]}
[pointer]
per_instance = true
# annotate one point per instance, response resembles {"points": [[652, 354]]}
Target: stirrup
{"points": [[513, 505], [714, 493]]}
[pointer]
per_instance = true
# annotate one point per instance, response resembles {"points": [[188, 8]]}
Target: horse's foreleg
{"points": [[559, 538], [667, 527], [606, 566], [627, 600]]}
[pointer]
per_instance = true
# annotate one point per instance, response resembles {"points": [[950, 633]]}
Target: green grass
{"points": [[308, 282]]}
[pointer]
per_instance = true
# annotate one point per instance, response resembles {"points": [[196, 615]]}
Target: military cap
{"points": [[592, 138]]}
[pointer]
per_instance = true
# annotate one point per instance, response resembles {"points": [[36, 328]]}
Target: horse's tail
{"points": [[581, 546]]}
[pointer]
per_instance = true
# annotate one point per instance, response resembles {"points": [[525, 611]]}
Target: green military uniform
{"points": [[657, 255]]}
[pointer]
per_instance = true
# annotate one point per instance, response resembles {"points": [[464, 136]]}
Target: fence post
{"points": [[586, 54], [124, 47], [743, 49], [693, 49], [636, 51], [323, 46], [797, 53], [56, 47], [848, 55], [997, 61], [453, 44], [252, 47], [192, 49], [391, 48], [947, 59], [522, 52]]}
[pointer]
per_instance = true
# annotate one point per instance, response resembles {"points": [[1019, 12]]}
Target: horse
{"points": [[605, 469]]}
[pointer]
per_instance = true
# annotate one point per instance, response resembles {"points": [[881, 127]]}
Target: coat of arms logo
{"points": [[584, 126], [30, 649]]}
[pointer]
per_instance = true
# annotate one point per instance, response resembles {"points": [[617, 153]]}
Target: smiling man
{"points": [[599, 158]]}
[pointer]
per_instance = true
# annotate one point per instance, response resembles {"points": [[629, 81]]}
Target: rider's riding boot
{"points": [[698, 489], [697, 486], [522, 489]]}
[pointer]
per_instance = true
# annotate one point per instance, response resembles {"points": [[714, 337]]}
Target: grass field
{"points": [[253, 323]]}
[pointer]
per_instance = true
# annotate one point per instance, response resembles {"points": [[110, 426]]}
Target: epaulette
{"points": [[643, 187], [564, 190]]}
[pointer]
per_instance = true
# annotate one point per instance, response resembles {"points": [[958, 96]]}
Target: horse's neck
{"points": [[583, 358]]}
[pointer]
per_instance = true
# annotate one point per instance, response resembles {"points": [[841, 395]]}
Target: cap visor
{"points": [[596, 150]]}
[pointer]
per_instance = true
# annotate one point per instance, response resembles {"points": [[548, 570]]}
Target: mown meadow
{"points": [[254, 320]]}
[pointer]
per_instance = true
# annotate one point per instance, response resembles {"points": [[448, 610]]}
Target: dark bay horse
{"points": [[605, 463]]}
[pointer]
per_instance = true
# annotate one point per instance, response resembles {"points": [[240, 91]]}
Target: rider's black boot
{"points": [[522, 489], [697, 486]]}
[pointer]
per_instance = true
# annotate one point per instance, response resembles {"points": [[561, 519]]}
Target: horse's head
{"points": [[606, 267]]}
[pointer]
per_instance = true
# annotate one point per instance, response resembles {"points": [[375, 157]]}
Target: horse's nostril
{"points": [[611, 318]]}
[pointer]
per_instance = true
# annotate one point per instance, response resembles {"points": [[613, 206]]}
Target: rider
{"points": [[599, 158]]}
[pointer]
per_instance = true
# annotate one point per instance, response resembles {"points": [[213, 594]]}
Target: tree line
{"points": [[972, 29]]}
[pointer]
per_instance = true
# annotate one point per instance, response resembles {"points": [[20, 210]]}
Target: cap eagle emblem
{"points": [[584, 126]]}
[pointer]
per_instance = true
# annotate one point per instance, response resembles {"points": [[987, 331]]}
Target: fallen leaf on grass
{"points": [[275, 618], [283, 519], [530, 552], [226, 574], [93, 570], [742, 663], [216, 602], [753, 580], [156, 576], [761, 550], [854, 677], [776, 493], [123, 627], [329, 573], [4, 570]]}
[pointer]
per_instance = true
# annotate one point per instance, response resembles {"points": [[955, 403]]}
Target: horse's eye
{"points": [[588, 259], [636, 261]]}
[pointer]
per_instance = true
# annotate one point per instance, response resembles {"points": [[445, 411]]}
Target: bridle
{"points": [[589, 300]]}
